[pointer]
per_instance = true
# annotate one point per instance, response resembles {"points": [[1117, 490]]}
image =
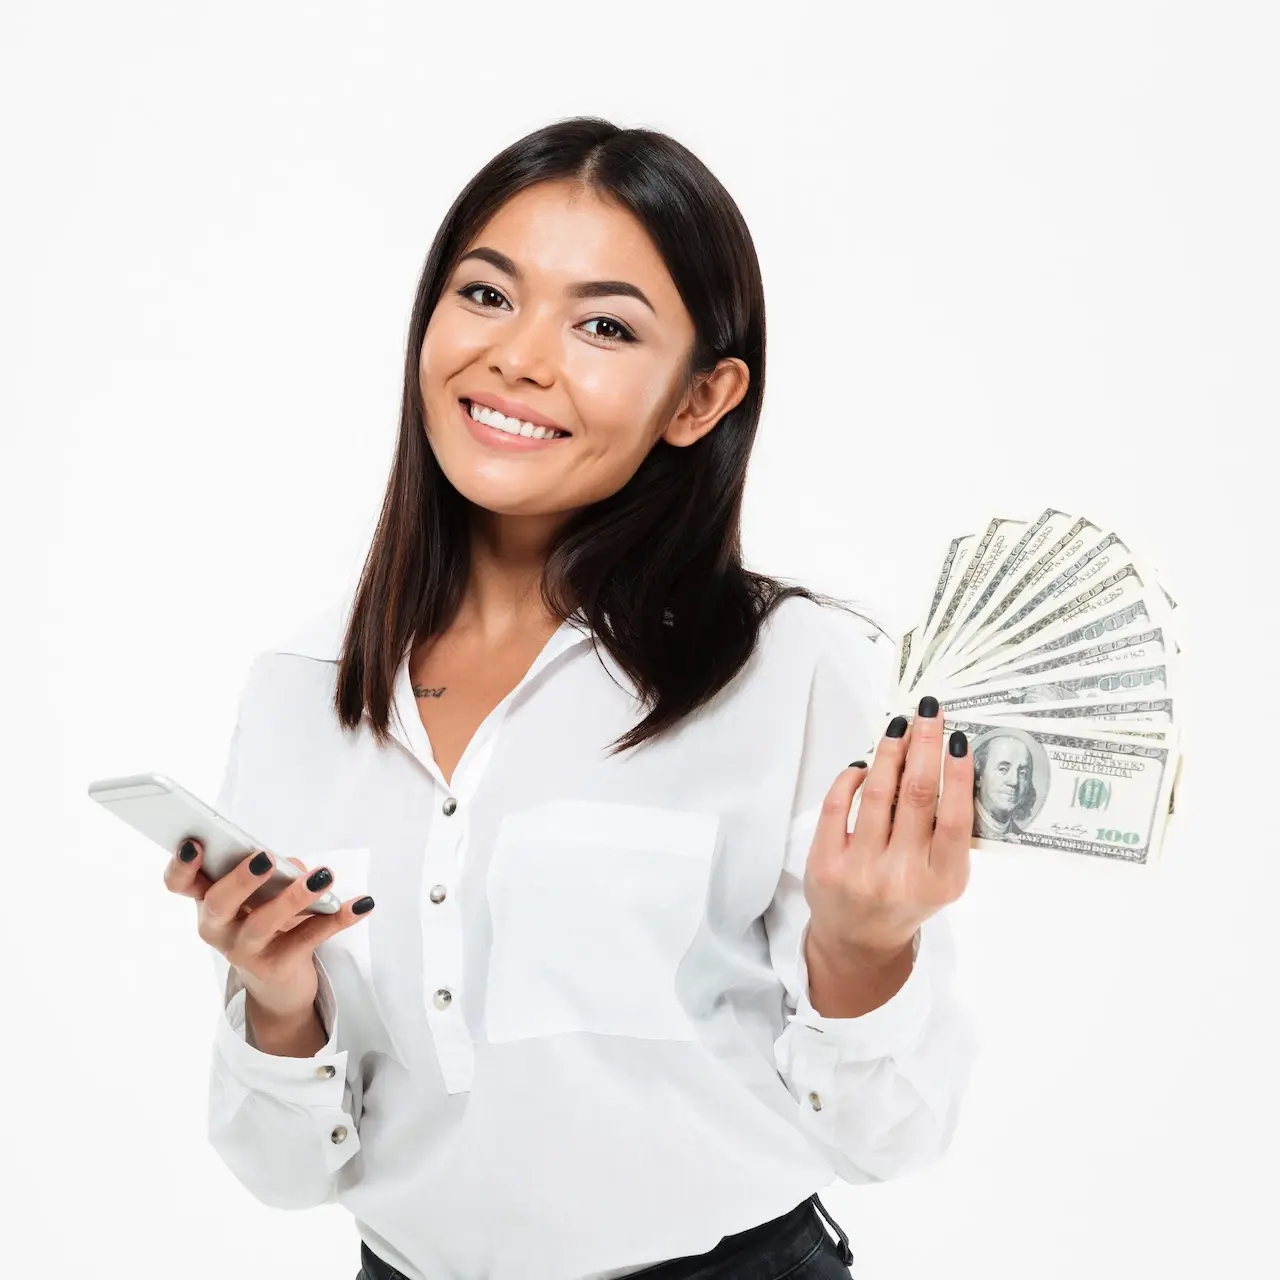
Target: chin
{"points": [[499, 500]]}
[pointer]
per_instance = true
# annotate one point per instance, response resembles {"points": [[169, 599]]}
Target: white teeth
{"points": [[512, 426]]}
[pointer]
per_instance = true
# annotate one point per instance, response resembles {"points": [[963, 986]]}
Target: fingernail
{"points": [[959, 744], [897, 727], [319, 879], [188, 851], [365, 904], [858, 764], [260, 864], [928, 707]]}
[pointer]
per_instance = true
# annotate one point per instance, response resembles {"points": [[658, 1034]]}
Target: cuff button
{"points": [[339, 1133], [815, 1102], [325, 1072]]}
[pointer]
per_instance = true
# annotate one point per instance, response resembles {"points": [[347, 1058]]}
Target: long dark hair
{"points": [[655, 569]]}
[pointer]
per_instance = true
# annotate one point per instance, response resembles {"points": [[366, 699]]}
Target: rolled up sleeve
{"points": [[880, 1094], [283, 1126]]}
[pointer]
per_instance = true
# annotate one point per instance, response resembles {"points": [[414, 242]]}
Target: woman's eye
{"points": [[478, 288], [621, 332], [623, 335]]}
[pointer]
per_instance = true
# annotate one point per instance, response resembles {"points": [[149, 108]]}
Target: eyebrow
{"points": [[583, 289]]}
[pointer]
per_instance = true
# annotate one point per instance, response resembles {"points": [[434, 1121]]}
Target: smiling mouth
{"points": [[466, 404]]}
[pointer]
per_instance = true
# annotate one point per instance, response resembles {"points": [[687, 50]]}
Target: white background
{"points": [[1014, 254]]}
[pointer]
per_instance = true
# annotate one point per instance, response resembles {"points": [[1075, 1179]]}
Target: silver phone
{"points": [[168, 813]]}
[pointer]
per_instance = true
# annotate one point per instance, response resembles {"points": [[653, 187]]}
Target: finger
{"points": [[312, 932], [874, 823], [918, 790], [297, 919], [224, 899], [276, 916], [182, 874], [833, 822], [953, 836]]}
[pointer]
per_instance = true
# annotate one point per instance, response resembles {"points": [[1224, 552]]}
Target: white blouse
{"points": [[573, 1038]]}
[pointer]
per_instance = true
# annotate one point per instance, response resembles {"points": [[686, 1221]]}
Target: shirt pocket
{"points": [[594, 904]]}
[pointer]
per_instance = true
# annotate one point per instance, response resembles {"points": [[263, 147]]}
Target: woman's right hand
{"points": [[270, 946]]}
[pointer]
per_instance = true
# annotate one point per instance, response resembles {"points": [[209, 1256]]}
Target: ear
{"points": [[714, 394]]}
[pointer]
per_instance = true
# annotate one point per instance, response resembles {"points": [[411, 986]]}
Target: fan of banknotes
{"points": [[1054, 647]]}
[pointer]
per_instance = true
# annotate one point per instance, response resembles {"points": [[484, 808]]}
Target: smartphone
{"points": [[168, 813]]}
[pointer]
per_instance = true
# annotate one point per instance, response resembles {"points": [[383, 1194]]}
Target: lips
{"points": [[505, 442], [511, 410]]}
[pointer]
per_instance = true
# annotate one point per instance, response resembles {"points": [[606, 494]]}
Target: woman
{"points": [[632, 991]]}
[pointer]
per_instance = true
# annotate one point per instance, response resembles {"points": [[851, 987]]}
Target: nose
{"points": [[524, 348]]}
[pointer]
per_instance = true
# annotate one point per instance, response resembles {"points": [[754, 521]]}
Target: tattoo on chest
{"points": [[422, 691]]}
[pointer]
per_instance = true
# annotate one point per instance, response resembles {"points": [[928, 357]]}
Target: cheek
{"points": [[622, 424], [433, 358], [445, 348], [619, 388]]}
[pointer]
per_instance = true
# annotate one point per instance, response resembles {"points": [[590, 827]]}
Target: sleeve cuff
{"points": [[893, 1028], [311, 1082]]}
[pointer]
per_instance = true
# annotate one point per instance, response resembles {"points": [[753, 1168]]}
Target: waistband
{"points": [[787, 1240]]}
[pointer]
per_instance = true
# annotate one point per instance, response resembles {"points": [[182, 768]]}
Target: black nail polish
{"points": [[928, 707], [188, 851], [365, 904], [959, 744], [858, 764], [320, 879], [897, 727], [260, 864]]}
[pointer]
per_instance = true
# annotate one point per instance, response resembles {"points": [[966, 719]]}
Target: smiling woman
{"points": [[600, 282], [582, 752]]}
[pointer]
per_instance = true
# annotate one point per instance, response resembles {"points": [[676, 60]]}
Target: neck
{"points": [[502, 602], [503, 596]]}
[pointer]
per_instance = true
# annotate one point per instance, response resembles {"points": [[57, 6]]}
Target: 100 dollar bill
{"points": [[1130, 646], [1070, 684], [1049, 788], [1081, 793]]}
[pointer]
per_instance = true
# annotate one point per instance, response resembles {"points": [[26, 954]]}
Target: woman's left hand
{"points": [[869, 890]]}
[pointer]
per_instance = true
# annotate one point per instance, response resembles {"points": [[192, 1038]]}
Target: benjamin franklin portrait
{"points": [[1010, 779]]}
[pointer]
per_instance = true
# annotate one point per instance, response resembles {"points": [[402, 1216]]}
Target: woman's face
{"points": [[604, 368]]}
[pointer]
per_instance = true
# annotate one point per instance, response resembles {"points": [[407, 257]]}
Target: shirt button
{"points": [[815, 1102], [339, 1134], [443, 998], [325, 1073], [438, 892], [449, 806]]}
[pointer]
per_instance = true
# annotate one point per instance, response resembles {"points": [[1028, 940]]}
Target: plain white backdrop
{"points": [[1014, 255]]}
